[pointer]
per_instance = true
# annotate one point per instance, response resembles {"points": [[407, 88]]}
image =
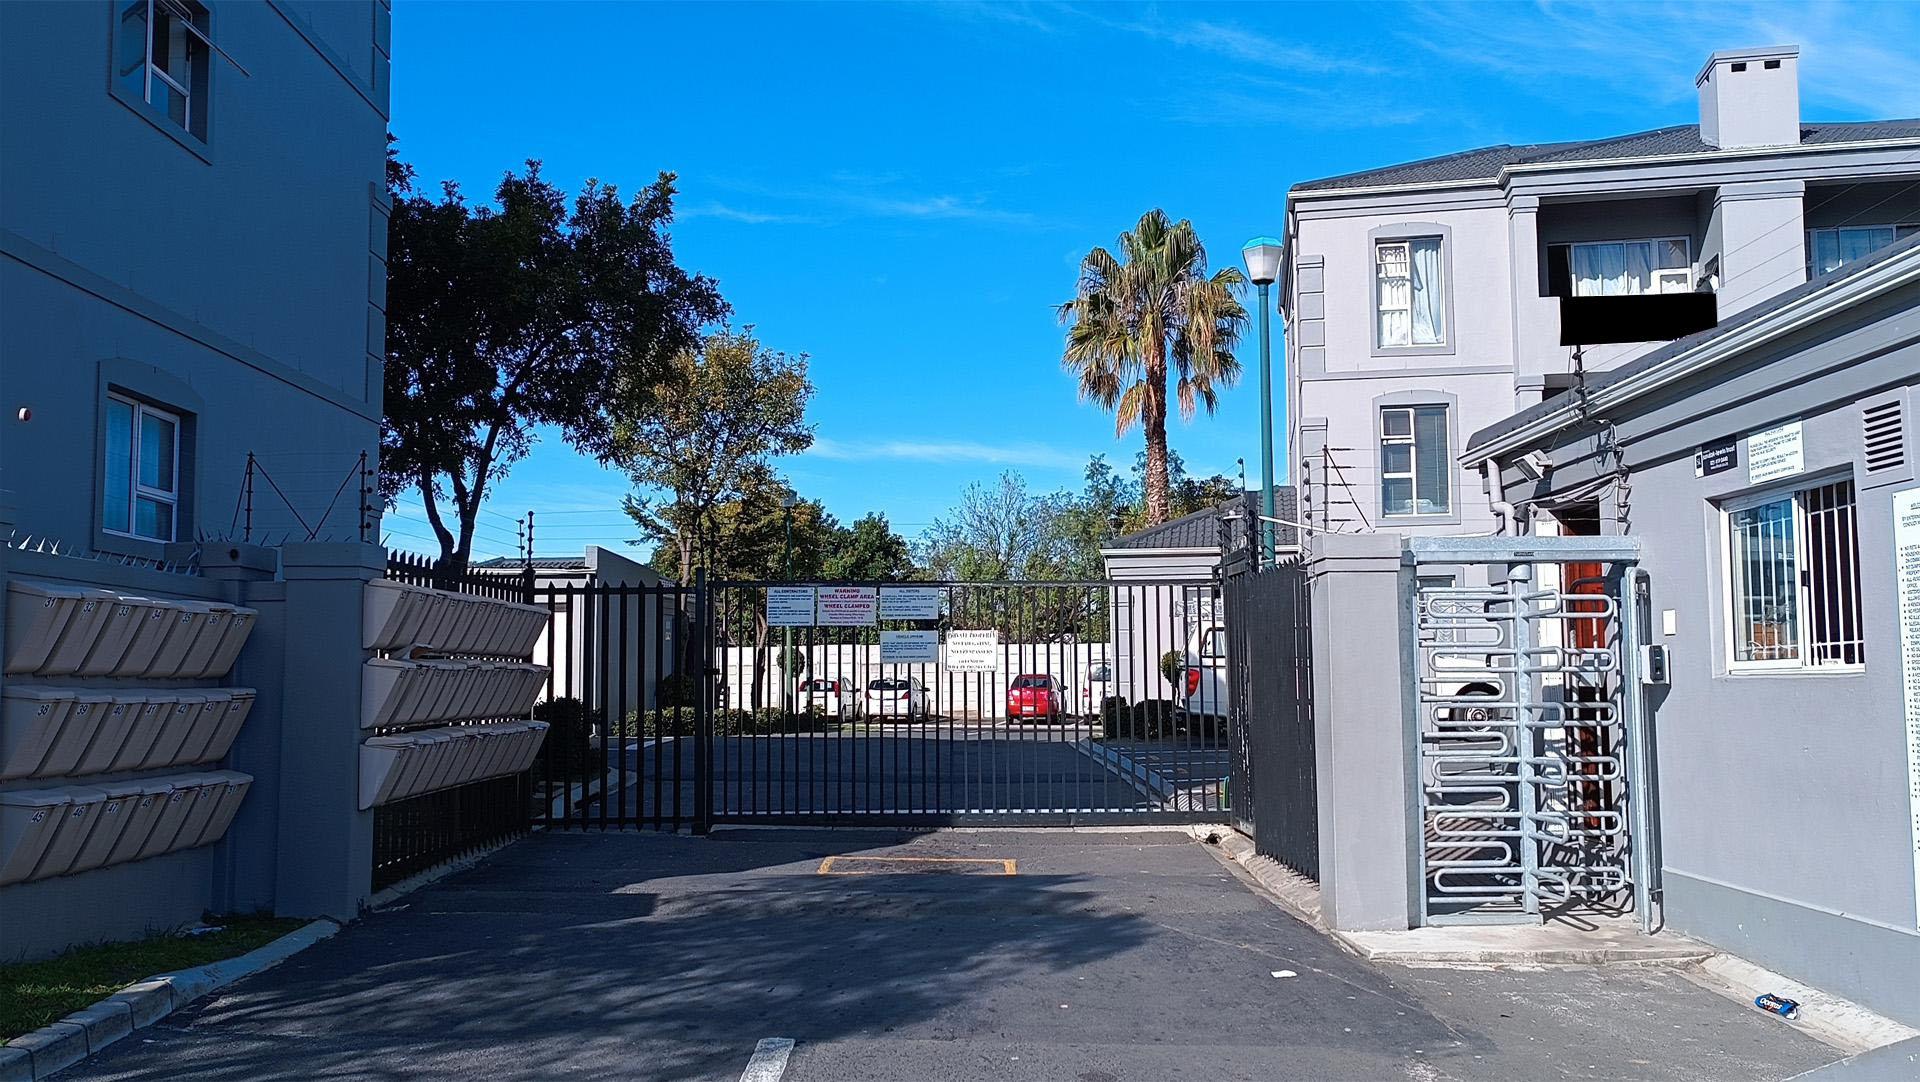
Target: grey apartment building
{"points": [[1421, 299], [193, 224]]}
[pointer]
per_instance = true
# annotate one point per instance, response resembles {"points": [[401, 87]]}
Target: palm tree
{"points": [[1152, 307]]}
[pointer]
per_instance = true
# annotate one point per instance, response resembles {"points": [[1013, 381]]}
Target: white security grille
{"points": [[1794, 579]]}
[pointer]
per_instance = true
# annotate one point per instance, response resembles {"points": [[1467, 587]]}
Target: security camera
{"points": [[1534, 464]]}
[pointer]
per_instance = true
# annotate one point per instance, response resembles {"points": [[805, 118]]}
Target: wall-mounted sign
{"points": [[909, 647], [1712, 458], [973, 651], [1777, 452], [1906, 574], [789, 606], [847, 606], [909, 602]]}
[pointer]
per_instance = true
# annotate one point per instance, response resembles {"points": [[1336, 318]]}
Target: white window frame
{"points": [[1405, 244], [136, 490], [1573, 283], [1412, 472], [1803, 663], [1901, 231], [185, 14]]}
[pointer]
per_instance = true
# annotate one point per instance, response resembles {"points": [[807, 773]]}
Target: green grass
{"points": [[32, 994]]}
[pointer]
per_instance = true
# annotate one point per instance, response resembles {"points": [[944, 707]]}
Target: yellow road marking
{"points": [[1007, 867]]}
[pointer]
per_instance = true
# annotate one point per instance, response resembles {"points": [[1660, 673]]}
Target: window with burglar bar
{"points": [[1416, 468], [162, 54], [1794, 580]]}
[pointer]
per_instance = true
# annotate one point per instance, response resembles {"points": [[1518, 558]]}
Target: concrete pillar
{"points": [[1362, 749], [325, 842], [1757, 232], [1536, 319]]}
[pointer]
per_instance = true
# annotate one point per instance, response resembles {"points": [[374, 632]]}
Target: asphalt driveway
{"points": [[1104, 957]]}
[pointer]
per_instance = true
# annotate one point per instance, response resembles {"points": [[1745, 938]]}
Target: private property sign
{"points": [[972, 651], [847, 606]]}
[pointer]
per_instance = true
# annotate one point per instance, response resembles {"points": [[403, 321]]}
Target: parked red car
{"points": [[1035, 695]]}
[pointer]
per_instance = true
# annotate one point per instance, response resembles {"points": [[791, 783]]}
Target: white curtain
{"points": [[1599, 270], [1429, 294], [1391, 284]]}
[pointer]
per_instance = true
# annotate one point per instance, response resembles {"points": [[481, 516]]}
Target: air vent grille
{"points": [[1882, 436]]}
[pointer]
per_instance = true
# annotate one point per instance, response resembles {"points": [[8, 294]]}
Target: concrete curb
{"points": [[1283, 886], [37, 1055], [432, 875], [1835, 1022]]}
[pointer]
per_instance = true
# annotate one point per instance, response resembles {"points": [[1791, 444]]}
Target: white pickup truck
{"points": [[1203, 682]]}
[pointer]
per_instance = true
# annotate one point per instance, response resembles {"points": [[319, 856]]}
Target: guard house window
{"points": [[162, 58], [1415, 461], [1410, 293], [1622, 268], [142, 492], [1794, 578], [1831, 249]]}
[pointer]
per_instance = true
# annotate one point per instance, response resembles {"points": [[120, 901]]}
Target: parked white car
{"points": [[1203, 683], [832, 698], [1095, 687], [896, 697]]}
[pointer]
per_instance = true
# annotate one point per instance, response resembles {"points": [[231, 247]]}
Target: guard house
{"points": [[1768, 467]]}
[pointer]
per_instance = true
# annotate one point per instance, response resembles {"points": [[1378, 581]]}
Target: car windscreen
{"points": [[892, 684], [820, 685], [1033, 682], [1100, 672]]}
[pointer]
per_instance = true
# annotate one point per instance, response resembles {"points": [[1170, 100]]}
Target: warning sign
{"points": [[909, 647], [848, 606], [789, 606]]}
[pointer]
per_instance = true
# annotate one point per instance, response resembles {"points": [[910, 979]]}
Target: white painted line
{"points": [[769, 1060]]}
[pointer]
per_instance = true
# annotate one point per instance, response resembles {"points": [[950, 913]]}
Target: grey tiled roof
{"points": [[1201, 530], [1487, 162], [1665, 354]]}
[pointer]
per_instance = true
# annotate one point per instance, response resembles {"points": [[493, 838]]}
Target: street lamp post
{"points": [[1263, 256], [786, 634]]}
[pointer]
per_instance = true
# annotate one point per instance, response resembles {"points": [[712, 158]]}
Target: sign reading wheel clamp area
{"points": [[847, 606]]}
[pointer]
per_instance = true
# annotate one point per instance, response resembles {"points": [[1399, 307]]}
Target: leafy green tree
{"points": [[868, 550], [1148, 312], [529, 311], [997, 532], [735, 406]]}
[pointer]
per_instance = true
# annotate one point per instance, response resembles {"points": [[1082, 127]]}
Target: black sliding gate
{"points": [[1270, 644], [1041, 703]]}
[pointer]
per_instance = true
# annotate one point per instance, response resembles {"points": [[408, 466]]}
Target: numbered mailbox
{"points": [[232, 641], [205, 724], [183, 710], [489, 629], [188, 619], [37, 614], [208, 789], [184, 789], [81, 633], [156, 625], [89, 709], [433, 625], [77, 818], [395, 767], [390, 613], [386, 689], [31, 720], [143, 815], [460, 624], [111, 820], [29, 820], [215, 621], [125, 617], [117, 717], [229, 790], [232, 716], [150, 718]]}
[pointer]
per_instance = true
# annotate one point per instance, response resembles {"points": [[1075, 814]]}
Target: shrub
{"points": [[678, 689], [1153, 719], [652, 724], [1116, 717]]}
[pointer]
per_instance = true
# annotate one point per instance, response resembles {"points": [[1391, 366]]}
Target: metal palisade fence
{"points": [[1274, 795]]}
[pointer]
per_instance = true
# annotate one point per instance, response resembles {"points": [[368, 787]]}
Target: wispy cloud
{"points": [[1646, 55], [1243, 45], [1035, 455], [740, 214], [848, 197]]}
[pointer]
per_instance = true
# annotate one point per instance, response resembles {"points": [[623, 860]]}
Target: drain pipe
{"points": [[1510, 522]]}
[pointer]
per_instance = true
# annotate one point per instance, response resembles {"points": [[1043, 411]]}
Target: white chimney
{"points": [[1751, 98]]}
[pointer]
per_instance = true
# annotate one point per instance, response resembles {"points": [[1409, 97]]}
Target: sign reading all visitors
{"points": [[909, 602], [1777, 452], [972, 651], [789, 606], [847, 606], [1906, 577], [1712, 458], [909, 647]]}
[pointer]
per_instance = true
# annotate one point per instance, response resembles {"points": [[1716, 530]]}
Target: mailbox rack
{"points": [[94, 704], [444, 658]]}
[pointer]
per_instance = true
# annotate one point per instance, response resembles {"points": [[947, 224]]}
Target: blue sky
{"points": [[903, 192]]}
